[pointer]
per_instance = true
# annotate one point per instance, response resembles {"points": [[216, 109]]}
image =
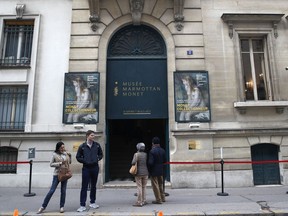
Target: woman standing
{"points": [[59, 157], [141, 177]]}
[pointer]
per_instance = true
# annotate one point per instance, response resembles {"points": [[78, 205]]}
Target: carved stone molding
{"points": [[136, 8], [20, 11], [178, 14], [230, 29], [94, 7], [231, 19], [278, 105], [275, 25]]}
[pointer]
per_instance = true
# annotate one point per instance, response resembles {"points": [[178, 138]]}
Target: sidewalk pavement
{"points": [[265, 200]]}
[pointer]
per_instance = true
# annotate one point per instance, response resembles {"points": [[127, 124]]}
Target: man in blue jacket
{"points": [[89, 153], [157, 158]]}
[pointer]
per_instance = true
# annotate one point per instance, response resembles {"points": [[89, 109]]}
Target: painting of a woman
{"points": [[195, 105], [80, 106]]}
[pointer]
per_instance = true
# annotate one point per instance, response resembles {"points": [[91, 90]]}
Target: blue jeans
{"points": [[54, 185], [89, 174]]}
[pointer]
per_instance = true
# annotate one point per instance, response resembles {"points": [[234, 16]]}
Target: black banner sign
{"points": [[137, 89]]}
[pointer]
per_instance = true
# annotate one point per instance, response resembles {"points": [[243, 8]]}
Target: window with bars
{"points": [[16, 44], [13, 103], [254, 67], [8, 154]]}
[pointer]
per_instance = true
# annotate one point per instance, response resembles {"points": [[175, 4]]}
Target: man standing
{"points": [[157, 158], [89, 153]]}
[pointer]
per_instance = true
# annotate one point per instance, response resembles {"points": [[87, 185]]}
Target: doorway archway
{"points": [[136, 96]]}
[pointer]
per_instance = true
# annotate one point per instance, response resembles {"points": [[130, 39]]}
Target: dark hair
{"points": [[156, 140], [89, 132], [58, 145]]}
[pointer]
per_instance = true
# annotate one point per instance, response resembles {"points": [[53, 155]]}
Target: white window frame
{"points": [[23, 75], [270, 68], [270, 71], [264, 25]]}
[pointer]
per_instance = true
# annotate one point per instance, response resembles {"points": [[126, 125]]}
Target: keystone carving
{"points": [[20, 11], [136, 7]]}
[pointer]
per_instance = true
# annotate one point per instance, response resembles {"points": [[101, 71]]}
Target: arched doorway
{"points": [[136, 96], [267, 173]]}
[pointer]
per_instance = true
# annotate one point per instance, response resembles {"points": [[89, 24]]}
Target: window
{"points": [[16, 45], [254, 36], [8, 154], [254, 66], [13, 102]]}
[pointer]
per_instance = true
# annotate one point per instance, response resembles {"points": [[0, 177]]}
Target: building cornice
{"points": [[232, 18]]}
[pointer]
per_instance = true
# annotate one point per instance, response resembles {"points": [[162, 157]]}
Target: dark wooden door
{"points": [[267, 173]]}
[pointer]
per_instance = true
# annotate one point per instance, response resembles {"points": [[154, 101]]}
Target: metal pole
{"points": [[29, 194], [164, 178], [222, 193]]}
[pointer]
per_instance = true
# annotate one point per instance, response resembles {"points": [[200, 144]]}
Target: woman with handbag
{"points": [[141, 177], [59, 158]]}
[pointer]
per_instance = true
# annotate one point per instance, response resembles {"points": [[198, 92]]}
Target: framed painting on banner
{"points": [[191, 96], [81, 98]]}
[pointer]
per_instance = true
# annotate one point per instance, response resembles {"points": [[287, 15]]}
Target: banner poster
{"points": [[192, 100], [81, 98]]}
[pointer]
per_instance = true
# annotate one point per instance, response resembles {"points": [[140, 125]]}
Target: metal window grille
{"points": [[13, 102], [17, 43], [8, 154]]}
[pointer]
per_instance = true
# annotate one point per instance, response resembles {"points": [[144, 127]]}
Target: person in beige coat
{"points": [[141, 177], [59, 157]]}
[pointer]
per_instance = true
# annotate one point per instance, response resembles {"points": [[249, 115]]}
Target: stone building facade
{"points": [[236, 50]]}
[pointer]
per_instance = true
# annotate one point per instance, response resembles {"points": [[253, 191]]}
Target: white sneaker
{"points": [[94, 205], [41, 209], [81, 209]]}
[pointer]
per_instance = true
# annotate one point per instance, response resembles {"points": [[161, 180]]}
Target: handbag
{"points": [[133, 169], [64, 172]]}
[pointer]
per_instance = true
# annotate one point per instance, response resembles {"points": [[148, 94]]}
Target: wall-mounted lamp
{"points": [[249, 85], [78, 125]]}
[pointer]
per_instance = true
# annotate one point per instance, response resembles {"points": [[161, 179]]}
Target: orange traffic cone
{"points": [[16, 212], [160, 213]]}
